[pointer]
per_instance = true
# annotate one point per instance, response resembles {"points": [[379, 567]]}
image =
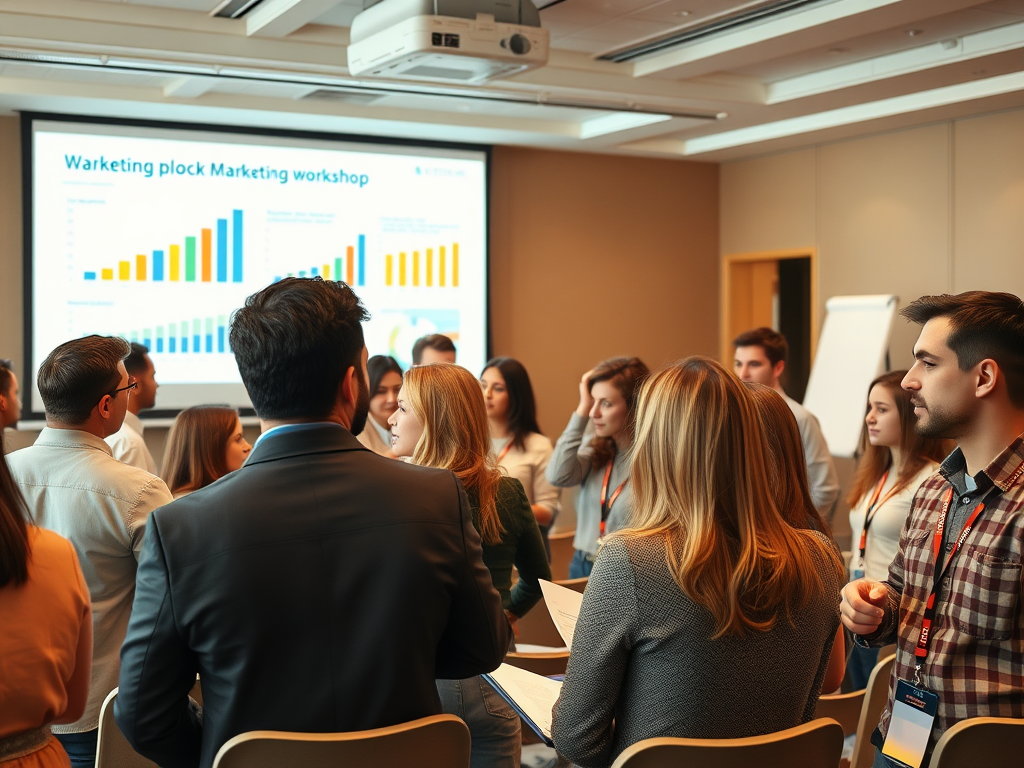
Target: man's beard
{"points": [[362, 406], [939, 423]]}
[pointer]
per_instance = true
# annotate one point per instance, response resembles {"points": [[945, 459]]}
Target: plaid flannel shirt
{"points": [[975, 660]]}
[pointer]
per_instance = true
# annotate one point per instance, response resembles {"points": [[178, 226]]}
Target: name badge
{"points": [[913, 714]]}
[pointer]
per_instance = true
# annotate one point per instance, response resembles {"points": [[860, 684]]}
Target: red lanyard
{"points": [[606, 510], [504, 451], [873, 506], [924, 638]]}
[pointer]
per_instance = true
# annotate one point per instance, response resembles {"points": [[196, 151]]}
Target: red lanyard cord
{"points": [[505, 450], [606, 503]]}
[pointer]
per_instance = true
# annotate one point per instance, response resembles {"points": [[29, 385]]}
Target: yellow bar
{"points": [[124, 270], [140, 267], [175, 262], [455, 265], [401, 268], [415, 267], [327, 272], [440, 266], [108, 274], [388, 264], [430, 267]]}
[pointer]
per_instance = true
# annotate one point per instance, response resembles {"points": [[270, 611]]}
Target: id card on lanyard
{"points": [[914, 707], [606, 503]]}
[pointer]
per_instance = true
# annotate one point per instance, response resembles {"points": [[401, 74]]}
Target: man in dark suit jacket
{"points": [[319, 588]]}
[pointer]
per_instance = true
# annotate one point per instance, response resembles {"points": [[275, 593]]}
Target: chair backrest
{"points": [[112, 748], [817, 744], [844, 708], [577, 584], [537, 628], [562, 551], [546, 664], [875, 697], [440, 741], [988, 740]]}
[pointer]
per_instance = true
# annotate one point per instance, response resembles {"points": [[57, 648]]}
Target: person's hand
{"points": [[586, 401], [513, 621], [863, 605]]}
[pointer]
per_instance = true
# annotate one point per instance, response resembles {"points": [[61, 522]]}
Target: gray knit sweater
{"points": [[643, 663]]}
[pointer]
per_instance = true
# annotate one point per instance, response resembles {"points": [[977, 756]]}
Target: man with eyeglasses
{"points": [[128, 444], [76, 488]]}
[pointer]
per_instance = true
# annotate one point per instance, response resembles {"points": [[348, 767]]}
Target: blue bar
{"points": [[277, 278], [147, 343], [171, 343], [222, 250], [209, 342], [158, 265], [159, 345], [90, 275], [362, 259], [236, 244], [314, 271], [220, 338], [184, 343], [195, 343]]}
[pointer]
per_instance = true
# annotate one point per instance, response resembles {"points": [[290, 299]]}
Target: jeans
{"points": [[81, 747], [580, 566], [859, 665], [493, 724]]}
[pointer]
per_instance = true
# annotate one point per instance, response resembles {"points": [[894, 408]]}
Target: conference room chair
{"points": [[547, 664], [876, 694], [536, 628], [112, 748], [562, 551], [576, 584], [440, 741], [981, 741], [817, 744], [844, 708]]}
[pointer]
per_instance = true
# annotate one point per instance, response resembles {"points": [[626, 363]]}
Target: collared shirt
{"points": [[76, 488], [976, 653], [129, 446], [822, 480], [283, 429]]}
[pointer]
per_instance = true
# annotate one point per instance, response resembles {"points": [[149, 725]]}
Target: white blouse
{"points": [[528, 467]]}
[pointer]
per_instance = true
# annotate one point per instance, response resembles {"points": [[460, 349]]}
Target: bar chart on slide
{"points": [[200, 258], [436, 267], [350, 268], [205, 335]]}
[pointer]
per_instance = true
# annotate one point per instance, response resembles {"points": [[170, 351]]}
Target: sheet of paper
{"points": [[533, 695], [564, 606]]}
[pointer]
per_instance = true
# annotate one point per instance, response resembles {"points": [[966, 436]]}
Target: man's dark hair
{"points": [[6, 367], [75, 375], [982, 324], [135, 363], [774, 344], [293, 342], [435, 341]]}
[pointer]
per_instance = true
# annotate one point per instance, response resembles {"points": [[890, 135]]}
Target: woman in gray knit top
{"points": [[710, 617]]}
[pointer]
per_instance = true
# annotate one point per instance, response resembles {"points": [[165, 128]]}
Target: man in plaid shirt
{"points": [[968, 385]]}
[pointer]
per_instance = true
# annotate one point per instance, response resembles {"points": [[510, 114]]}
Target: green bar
{"points": [[337, 270], [190, 259]]}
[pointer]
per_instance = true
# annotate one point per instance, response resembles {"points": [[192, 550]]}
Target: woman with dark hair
{"points": [[894, 461], [204, 444], [521, 450], [385, 381], [45, 635], [600, 468]]}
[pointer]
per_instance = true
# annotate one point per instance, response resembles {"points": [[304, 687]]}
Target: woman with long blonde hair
{"points": [[441, 422], [710, 616]]}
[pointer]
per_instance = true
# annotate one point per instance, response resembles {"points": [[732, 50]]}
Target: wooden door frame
{"points": [[725, 337]]}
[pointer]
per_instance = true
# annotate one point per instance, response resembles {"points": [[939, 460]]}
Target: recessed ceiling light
{"points": [[914, 32]]}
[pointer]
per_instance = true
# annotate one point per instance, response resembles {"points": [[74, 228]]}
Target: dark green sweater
{"points": [[521, 545]]}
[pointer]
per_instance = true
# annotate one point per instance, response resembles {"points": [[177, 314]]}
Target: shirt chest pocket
{"points": [[984, 599]]}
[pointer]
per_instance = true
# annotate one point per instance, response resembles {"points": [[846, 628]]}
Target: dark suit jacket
{"points": [[319, 588]]}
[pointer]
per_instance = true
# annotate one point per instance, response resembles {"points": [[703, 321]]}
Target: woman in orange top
{"points": [[45, 635]]}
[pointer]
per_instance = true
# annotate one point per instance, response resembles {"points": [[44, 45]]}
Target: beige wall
{"points": [[591, 256], [938, 209]]}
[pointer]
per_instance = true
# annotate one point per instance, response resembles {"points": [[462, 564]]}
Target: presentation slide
{"points": [[159, 234]]}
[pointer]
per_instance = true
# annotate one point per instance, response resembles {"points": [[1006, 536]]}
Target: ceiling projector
{"points": [[449, 41]]}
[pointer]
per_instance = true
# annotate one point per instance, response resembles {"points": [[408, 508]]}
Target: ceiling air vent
{"points": [[348, 97], [730, 23]]}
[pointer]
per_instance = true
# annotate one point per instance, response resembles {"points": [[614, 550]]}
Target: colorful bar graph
{"points": [[207, 255], [236, 242]]}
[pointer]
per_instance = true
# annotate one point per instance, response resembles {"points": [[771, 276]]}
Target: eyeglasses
{"points": [[132, 384]]}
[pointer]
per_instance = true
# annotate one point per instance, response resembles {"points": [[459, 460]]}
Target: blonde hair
{"points": [[700, 480], [449, 403]]}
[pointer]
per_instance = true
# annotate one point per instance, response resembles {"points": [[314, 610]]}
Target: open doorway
{"points": [[777, 289]]}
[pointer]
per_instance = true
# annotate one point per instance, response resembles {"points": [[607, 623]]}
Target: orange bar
{"points": [[440, 266], [140, 267], [350, 265], [430, 267], [455, 265], [388, 264], [175, 262], [207, 255], [415, 267]]}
